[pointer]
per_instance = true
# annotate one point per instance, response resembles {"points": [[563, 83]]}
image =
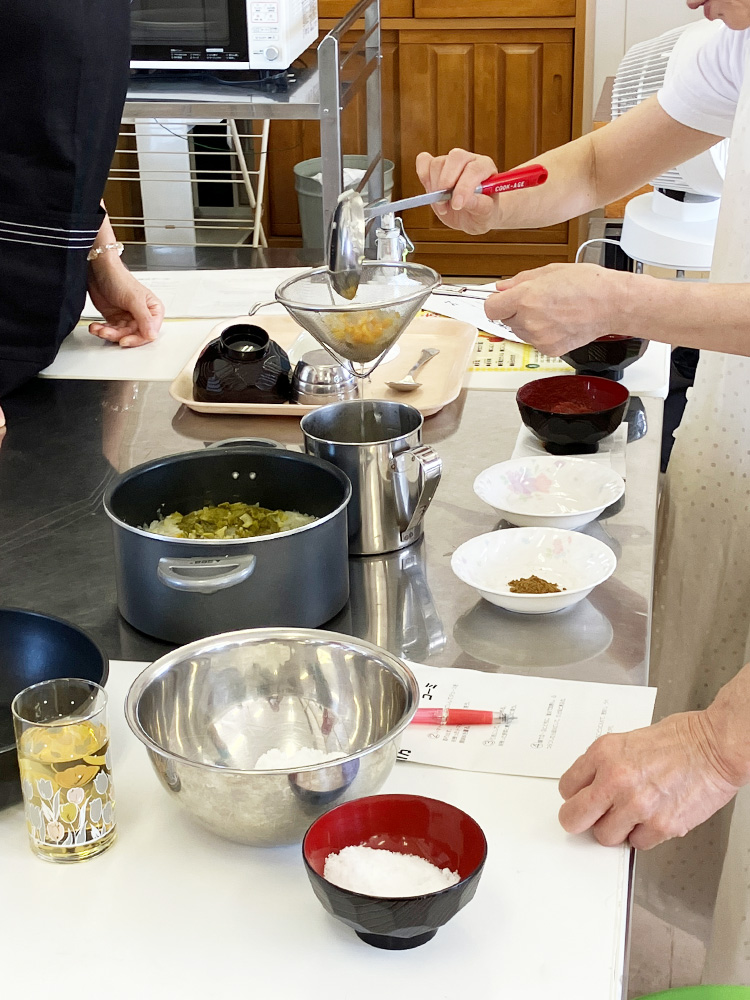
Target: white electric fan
{"points": [[674, 225]]}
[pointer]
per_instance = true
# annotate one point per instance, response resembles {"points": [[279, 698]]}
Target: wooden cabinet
{"points": [[505, 80], [388, 8], [494, 8], [506, 94]]}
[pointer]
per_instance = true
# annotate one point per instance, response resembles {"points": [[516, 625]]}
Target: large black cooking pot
{"points": [[179, 589], [36, 648]]}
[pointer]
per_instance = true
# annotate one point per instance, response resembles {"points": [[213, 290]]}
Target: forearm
{"points": [[106, 233], [695, 314], [728, 719], [569, 191], [109, 260], [601, 167]]}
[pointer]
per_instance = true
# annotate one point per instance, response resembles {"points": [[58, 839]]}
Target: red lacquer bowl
{"points": [[407, 824], [570, 414], [607, 357]]}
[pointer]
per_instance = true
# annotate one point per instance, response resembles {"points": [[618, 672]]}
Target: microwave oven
{"points": [[221, 34]]}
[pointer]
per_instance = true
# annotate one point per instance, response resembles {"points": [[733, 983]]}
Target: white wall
{"points": [[622, 23]]}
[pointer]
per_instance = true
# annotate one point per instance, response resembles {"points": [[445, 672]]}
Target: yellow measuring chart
{"points": [[493, 354]]}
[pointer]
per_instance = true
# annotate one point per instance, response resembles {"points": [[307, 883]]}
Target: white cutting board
{"points": [[199, 294], [183, 913], [84, 356], [194, 301]]}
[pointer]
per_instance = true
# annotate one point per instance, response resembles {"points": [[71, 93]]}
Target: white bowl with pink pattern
{"points": [[574, 562], [549, 491]]}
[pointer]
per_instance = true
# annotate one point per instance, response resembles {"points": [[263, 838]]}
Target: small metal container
{"points": [[378, 444], [319, 378]]}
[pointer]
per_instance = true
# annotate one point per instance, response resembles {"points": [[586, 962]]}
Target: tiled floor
{"points": [[661, 956]]}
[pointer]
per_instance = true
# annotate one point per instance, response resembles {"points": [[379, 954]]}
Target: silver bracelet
{"points": [[95, 252]]}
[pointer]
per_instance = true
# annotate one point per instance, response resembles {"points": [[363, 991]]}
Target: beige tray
{"points": [[442, 379]]}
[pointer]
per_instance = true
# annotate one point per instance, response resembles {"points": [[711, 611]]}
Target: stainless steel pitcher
{"points": [[378, 444]]}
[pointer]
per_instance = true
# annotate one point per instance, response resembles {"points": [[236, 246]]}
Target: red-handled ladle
{"points": [[511, 180], [346, 246]]}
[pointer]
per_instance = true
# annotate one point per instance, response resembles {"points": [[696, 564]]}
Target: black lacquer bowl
{"points": [[242, 365], [570, 414], [607, 357], [406, 824], [35, 648]]}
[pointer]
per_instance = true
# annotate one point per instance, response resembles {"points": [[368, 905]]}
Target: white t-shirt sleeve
{"points": [[703, 92]]}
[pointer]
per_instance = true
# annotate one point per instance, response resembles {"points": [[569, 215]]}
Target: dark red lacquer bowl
{"points": [[607, 357], [570, 414], [243, 365], [407, 824]]}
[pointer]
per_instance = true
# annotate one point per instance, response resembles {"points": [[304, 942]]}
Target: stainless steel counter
{"points": [[67, 439], [207, 97]]}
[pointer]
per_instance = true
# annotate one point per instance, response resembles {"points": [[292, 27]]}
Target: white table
{"points": [[172, 911]]}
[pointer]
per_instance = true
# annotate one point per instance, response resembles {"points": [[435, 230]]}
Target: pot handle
{"points": [[246, 442], [204, 576], [416, 474]]}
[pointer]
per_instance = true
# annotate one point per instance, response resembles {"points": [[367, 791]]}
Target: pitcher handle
{"points": [[421, 465]]}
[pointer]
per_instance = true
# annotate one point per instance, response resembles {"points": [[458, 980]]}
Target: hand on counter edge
{"points": [[132, 313], [652, 784]]}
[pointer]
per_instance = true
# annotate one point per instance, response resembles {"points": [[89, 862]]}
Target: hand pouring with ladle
{"points": [[346, 248]]}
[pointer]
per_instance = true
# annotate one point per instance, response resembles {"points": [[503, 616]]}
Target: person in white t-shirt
{"points": [[562, 306], [660, 782]]}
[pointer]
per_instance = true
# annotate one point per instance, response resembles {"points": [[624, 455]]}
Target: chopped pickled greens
{"points": [[228, 520]]}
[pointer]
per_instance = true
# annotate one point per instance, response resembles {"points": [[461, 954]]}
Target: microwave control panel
{"points": [[280, 30]]}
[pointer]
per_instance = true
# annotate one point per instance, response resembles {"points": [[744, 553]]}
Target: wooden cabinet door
{"points": [[494, 8], [388, 8], [504, 93]]}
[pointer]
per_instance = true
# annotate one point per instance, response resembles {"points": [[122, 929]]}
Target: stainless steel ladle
{"points": [[346, 244]]}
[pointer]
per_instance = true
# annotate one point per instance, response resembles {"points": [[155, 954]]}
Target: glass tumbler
{"points": [[64, 761]]}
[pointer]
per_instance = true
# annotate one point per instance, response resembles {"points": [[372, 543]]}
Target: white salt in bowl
{"points": [[549, 491], [574, 561], [435, 831]]}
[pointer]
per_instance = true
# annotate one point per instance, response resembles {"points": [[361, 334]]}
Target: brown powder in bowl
{"points": [[534, 585]]}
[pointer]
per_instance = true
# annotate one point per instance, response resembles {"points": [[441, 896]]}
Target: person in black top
{"points": [[63, 81]]}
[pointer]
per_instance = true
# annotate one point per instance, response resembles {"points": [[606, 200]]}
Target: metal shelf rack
{"points": [[159, 108]]}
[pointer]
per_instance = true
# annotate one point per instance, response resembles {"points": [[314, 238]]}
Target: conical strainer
{"points": [[361, 330]]}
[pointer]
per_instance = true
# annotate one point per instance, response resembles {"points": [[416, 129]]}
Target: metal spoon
{"points": [[346, 244], [407, 383]]}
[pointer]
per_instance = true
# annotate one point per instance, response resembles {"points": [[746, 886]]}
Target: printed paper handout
{"points": [[552, 722]]}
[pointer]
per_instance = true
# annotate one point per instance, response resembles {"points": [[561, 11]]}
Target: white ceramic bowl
{"points": [[549, 491], [571, 560]]}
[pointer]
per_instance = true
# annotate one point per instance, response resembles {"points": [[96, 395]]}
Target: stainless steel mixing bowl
{"points": [[206, 712]]}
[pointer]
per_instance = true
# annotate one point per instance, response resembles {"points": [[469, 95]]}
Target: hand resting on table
{"points": [[653, 784]]}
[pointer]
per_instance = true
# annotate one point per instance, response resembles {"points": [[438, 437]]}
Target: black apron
{"points": [[63, 79]]}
